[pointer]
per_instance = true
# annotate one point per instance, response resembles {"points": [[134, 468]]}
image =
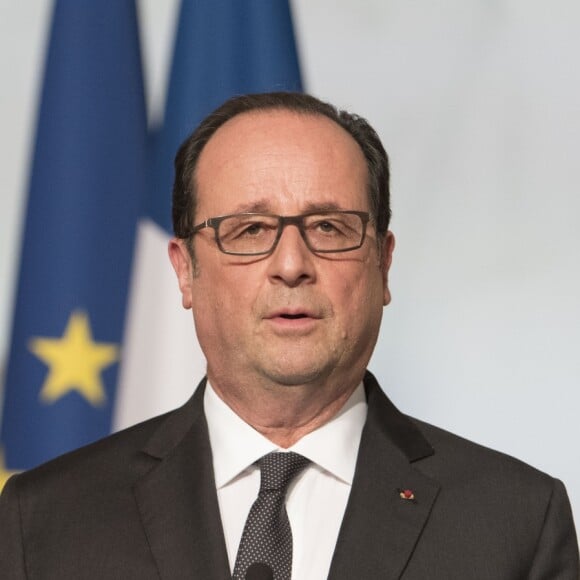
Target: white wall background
{"points": [[478, 103]]}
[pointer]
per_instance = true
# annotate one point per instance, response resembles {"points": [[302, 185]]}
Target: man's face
{"points": [[291, 317]]}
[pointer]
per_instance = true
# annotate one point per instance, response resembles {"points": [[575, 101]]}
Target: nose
{"points": [[291, 263]]}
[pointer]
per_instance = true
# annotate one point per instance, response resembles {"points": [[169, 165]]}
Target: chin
{"points": [[293, 376]]}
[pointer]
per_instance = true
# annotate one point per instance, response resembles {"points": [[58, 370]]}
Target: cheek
{"points": [[226, 295], [358, 301], [208, 299]]}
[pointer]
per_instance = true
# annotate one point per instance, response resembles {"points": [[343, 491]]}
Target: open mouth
{"points": [[293, 316]]}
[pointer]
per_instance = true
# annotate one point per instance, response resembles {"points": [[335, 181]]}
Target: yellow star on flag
{"points": [[75, 361], [4, 473]]}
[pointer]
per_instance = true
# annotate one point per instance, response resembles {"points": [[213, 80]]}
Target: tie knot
{"points": [[278, 469]]}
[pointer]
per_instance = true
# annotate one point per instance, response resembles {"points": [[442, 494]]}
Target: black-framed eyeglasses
{"points": [[255, 234]]}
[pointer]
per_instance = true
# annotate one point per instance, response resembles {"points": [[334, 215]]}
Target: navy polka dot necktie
{"points": [[267, 537]]}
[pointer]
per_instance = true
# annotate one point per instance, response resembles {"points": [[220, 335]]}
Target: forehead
{"points": [[281, 160]]}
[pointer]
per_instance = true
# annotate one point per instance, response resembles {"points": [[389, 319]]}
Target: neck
{"points": [[285, 414]]}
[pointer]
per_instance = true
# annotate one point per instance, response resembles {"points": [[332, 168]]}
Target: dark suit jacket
{"points": [[142, 504]]}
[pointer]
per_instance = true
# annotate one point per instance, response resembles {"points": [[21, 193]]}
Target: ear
{"points": [[183, 266], [388, 246]]}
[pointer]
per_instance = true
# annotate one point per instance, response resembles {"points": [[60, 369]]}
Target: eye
{"points": [[242, 227], [253, 229], [326, 227]]}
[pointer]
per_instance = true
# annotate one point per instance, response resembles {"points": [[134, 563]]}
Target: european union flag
{"points": [[222, 48], [88, 175]]}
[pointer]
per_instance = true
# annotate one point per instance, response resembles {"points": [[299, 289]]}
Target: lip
{"points": [[292, 314], [292, 319]]}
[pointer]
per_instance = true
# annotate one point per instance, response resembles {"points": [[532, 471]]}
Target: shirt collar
{"points": [[236, 446]]}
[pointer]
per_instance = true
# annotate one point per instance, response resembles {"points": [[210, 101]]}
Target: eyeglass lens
{"points": [[257, 233]]}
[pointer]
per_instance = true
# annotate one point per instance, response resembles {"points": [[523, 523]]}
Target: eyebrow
{"points": [[265, 206], [330, 205], [259, 206]]}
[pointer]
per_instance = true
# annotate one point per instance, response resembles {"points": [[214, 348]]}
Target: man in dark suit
{"points": [[282, 251]]}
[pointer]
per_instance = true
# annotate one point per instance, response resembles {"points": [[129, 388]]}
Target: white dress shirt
{"points": [[316, 499]]}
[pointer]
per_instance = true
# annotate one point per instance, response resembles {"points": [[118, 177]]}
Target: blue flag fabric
{"points": [[223, 48], [87, 183]]}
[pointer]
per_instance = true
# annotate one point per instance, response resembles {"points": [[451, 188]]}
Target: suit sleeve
{"points": [[556, 556], [11, 547]]}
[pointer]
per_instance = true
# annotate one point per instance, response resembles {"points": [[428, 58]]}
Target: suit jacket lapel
{"points": [[177, 498], [380, 529]]}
